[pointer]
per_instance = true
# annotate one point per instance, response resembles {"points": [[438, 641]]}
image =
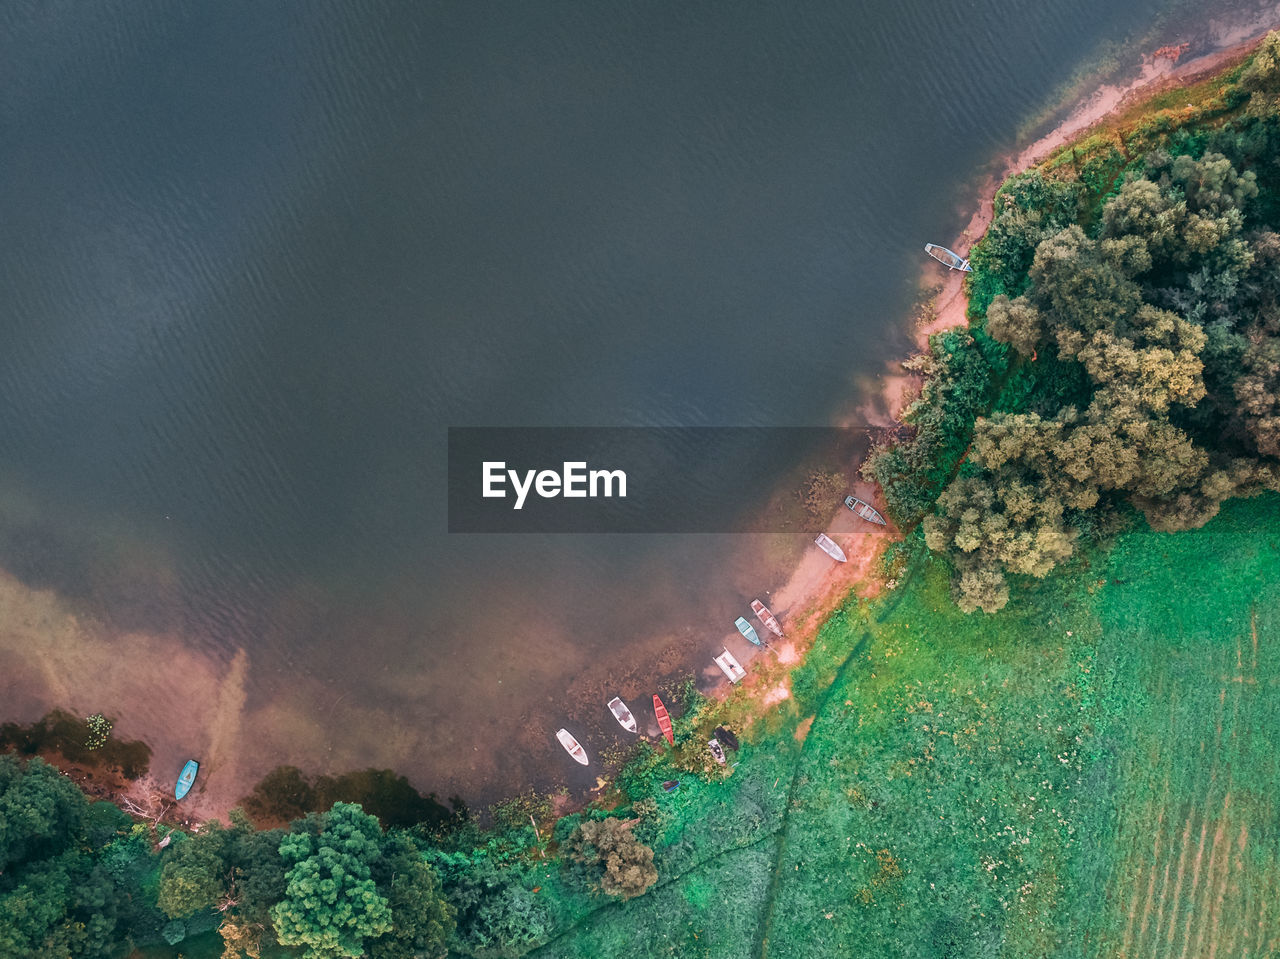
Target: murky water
{"points": [[260, 257]]}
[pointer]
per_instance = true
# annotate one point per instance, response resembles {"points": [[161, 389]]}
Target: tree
{"points": [[627, 864], [41, 811], [195, 876], [1016, 322], [421, 917], [331, 905]]}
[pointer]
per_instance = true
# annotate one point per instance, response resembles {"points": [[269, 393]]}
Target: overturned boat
{"points": [[765, 616], [865, 510], [730, 666], [571, 746], [831, 548], [947, 258], [622, 714]]}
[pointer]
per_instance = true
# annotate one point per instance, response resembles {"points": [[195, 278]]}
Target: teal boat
{"points": [[747, 630], [186, 778]]}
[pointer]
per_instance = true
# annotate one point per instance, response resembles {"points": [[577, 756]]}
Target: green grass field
{"points": [[1088, 773]]}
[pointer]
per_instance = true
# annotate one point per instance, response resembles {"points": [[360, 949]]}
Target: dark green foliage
{"points": [[331, 905], [41, 812], [497, 913], [957, 387]]}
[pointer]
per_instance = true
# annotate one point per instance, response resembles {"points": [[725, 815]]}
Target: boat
{"points": [[671, 785], [766, 617], [831, 548], [186, 778], [947, 258], [747, 630], [726, 737], [571, 746], [714, 746], [730, 666], [622, 714], [664, 719], [865, 510]]}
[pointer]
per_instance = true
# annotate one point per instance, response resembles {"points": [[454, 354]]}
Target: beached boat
{"points": [[747, 630], [622, 714], [716, 751], [831, 548], [865, 510], [947, 258], [571, 746], [664, 719], [730, 666], [186, 778], [766, 617]]}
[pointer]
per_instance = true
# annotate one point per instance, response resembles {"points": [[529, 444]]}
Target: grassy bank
{"points": [[1085, 773]]}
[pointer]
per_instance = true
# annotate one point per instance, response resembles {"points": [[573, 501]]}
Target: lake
{"points": [[262, 256]]}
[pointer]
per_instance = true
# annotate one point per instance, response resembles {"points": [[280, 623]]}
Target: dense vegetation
{"points": [[1087, 772], [1138, 288]]}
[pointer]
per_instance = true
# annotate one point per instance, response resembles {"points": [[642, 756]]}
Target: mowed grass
{"points": [[1089, 773], [1191, 660]]}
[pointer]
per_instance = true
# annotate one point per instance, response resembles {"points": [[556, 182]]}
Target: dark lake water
{"points": [[259, 257]]}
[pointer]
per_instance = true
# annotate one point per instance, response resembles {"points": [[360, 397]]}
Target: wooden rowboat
{"points": [[664, 719], [766, 617], [865, 510], [747, 630], [186, 778], [947, 258], [571, 746], [622, 714], [831, 548]]}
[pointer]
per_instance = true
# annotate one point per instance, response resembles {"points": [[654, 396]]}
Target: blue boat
{"points": [[747, 630], [186, 778]]}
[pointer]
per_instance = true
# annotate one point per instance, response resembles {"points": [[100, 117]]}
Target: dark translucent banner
{"points": [[649, 480]]}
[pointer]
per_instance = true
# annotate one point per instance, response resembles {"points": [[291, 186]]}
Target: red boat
{"points": [[664, 720]]}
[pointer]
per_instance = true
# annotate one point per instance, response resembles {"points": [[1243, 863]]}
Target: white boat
{"points": [[571, 746], [831, 548], [716, 751], [865, 510], [765, 616], [730, 666], [622, 714], [947, 258]]}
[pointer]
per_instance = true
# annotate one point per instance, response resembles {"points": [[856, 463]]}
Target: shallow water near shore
{"points": [[264, 258]]}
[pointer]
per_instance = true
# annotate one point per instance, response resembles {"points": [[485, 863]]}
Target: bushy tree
{"points": [[498, 916], [421, 917], [331, 906], [195, 873], [41, 811], [625, 865]]}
